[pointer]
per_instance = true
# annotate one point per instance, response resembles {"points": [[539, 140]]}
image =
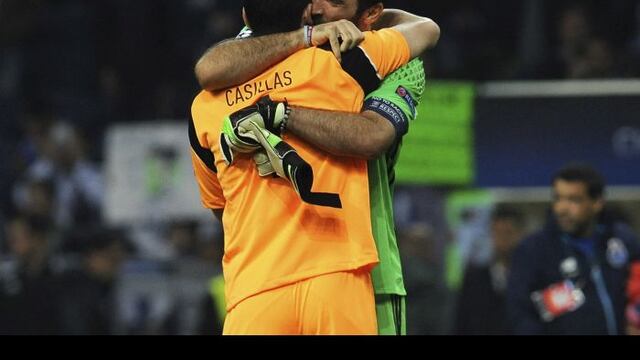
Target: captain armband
{"points": [[389, 111]]}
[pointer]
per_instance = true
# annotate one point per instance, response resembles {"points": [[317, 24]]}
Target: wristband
{"points": [[308, 36]]}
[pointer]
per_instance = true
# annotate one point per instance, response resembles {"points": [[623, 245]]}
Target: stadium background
{"points": [[97, 195]]}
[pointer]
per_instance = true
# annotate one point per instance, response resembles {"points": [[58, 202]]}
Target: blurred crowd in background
{"points": [[69, 69]]}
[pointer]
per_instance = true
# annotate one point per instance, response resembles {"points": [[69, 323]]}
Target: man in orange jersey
{"points": [[377, 135], [292, 267]]}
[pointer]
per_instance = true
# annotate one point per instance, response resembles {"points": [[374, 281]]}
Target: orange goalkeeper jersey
{"points": [[272, 238]]}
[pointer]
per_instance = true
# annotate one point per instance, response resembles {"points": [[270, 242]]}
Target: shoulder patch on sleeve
{"points": [[406, 96]]}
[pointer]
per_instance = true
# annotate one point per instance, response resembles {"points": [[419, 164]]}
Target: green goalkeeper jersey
{"points": [[402, 90]]}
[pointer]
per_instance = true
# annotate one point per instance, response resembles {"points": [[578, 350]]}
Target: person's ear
{"points": [[599, 205], [371, 16]]}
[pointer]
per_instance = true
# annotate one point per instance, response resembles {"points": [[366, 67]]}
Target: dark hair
{"points": [[274, 16], [38, 226], [45, 184], [365, 4], [91, 239], [584, 174], [508, 213]]}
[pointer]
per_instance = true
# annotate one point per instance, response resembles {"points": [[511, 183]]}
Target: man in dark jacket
{"points": [[571, 278], [481, 301]]}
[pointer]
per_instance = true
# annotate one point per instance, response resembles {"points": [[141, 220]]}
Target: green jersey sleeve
{"points": [[399, 95]]}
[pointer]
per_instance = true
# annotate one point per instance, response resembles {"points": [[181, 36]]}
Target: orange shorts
{"points": [[334, 304]]}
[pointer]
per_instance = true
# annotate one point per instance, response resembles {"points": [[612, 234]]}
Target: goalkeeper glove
{"points": [[287, 164], [274, 114], [263, 164], [269, 115], [232, 143]]}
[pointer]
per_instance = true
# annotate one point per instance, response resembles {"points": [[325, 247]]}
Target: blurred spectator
{"points": [[481, 307], [36, 123], [473, 239], [146, 301], [183, 239], [38, 200], [168, 294], [77, 184], [597, 61], [428, 298], [584, 55], [86, 296], [585, 39], [19, 152], [17, 29], [27, 280], [573, 34], [211, 243], [571, 277], [634, 44], [212, 304], [190, 239], [213, 310]]}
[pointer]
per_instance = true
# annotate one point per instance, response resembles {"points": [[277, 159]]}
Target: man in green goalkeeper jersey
{"points": [[375, 134]]}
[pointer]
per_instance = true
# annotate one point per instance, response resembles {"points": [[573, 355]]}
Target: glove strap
{"points": [[285, 119], [300, 174]]}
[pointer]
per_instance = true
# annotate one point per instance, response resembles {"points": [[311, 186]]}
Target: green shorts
{"points": [[392, 314]]}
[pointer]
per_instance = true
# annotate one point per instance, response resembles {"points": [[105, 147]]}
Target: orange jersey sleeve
{"points": [[387, 50], [210, 189], [205, 171]]}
